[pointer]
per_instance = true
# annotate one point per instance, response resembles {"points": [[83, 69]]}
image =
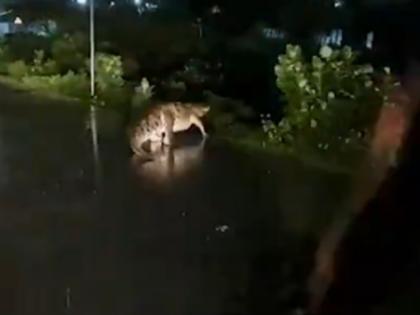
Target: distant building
{"points": [[4, 28], [334, 38], [10, 24], [6, 24], [272, 33]]}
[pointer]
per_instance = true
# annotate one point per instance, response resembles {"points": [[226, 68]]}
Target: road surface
{"points": [[200, 231]]}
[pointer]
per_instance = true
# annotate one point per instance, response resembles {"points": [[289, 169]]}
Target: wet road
{"points": [[207, 230]]}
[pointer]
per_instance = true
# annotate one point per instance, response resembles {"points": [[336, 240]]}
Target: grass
{"points": [[255, 141], [19, 86]]}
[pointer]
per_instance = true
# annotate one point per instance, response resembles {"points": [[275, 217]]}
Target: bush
{"points": [[331, 101], [40, 83], [70, 84], [4, 58], [49, 67], [74, 85], [17, 69], [110, 82], [21, 46], [68, 52], [41, 66], [109, 72]]}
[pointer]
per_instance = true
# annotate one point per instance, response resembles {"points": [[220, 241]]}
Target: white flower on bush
{"points": [[324, 106], [314, 124], [302, 83], [326, 52], [292, 54], [387, 70], [145, 85], [331, 95], [292, 51]]}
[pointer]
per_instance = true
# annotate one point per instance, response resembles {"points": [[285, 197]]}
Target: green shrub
{"points": [[70, 84], [109, 81], [4, 57], [40, 83], [49, 67], [109, 71], [40, 66], [17, 69], [68, 52], [331, 100], [74, 85], [21, 45]]}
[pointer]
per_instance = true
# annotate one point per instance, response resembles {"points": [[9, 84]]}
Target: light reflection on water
{"points": [[169, 163]]}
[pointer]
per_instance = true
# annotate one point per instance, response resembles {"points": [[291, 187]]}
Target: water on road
{"points": [[200, 230]]}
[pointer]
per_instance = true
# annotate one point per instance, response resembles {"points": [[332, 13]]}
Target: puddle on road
{"points": [[198, 231]]}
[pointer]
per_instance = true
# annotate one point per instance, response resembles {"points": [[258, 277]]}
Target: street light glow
{"points": [[338, 3], [81, 2]]}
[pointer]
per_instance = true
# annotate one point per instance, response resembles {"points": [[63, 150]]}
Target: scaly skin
{"points": [[162, 121]]}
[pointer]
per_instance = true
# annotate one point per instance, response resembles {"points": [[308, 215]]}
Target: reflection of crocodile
{"points": [[168, 162], [162, 121]]}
